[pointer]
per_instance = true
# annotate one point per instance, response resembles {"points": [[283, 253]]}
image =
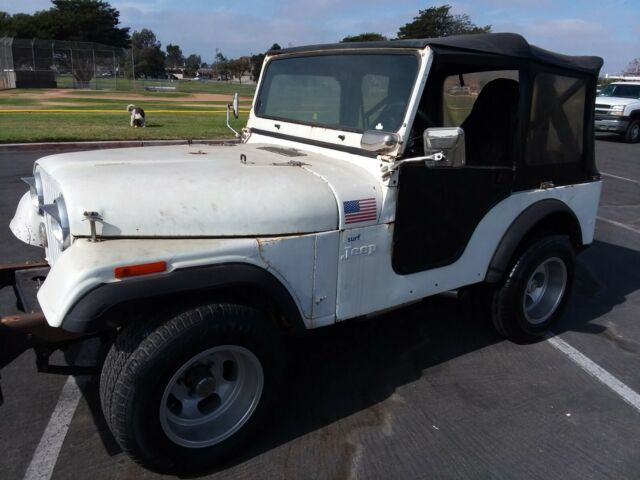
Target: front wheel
{"points": [[632, 134], [536, 290], [181, 395]]}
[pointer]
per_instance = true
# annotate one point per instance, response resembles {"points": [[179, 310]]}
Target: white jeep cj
{"points": [[368, 177]]}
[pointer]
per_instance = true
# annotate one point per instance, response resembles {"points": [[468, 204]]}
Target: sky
{"points": [[607, 28]]}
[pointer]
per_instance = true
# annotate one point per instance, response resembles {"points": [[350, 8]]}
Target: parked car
{"points": [[618, 110], [350, 194]]}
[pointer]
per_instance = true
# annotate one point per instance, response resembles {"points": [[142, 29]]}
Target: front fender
{"points": [[89, 313], [87, 267]]}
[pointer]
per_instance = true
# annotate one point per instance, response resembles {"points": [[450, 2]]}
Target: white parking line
{"points": [[620, 178], [618, 224], [46, 455], [595, 370]]}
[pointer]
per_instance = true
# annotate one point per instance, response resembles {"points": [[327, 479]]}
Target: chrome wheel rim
{"points": [[635, 132], [211, 396], [544, 290]]}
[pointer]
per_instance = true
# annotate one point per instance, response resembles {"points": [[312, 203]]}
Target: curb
{"points": [[97, 145]]}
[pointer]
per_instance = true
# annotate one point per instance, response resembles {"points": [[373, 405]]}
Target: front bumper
{"points": [[610, 123], [27, 328]]}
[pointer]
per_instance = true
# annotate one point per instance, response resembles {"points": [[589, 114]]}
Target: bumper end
{"points": [[13, 341]]}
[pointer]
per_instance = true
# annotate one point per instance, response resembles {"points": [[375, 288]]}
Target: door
{"points": [[439, 207]]}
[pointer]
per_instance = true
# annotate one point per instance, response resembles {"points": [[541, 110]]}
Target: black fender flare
{"points": [[90, 313], [521, 226]]}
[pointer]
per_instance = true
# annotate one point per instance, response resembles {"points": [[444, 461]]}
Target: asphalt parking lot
{"points": [[428, 391]]}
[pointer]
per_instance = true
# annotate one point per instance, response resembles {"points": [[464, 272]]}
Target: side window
{"points": [[460, 92], [557, 120]]}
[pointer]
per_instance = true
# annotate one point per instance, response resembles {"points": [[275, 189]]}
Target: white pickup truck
{"points": [[618, 110], [368, 177]]}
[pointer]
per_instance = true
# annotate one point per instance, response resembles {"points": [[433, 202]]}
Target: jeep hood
{"points": [[199, 191]]}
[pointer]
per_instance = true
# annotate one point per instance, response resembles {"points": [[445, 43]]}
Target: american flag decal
{"points": [[356, 211]]}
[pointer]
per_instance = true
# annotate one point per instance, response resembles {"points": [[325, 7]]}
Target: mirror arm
{"points": [[389, 170], [434, 157], [229, 106]]}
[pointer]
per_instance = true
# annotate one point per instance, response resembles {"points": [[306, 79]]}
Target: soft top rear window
{"points": [[343, 91]]}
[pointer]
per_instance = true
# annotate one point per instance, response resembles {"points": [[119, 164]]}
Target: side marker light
{"points": [[140, 269]]}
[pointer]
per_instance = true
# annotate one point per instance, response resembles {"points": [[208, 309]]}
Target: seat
{"points": [[489, 129]]}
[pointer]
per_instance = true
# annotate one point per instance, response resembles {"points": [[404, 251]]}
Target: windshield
{"points": [[624, 91], [342, 91]]}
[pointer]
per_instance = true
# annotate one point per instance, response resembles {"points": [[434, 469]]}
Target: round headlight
{"points": [[56, 231], [42, 234], [64, 235], [37, 193], [34, 197]]}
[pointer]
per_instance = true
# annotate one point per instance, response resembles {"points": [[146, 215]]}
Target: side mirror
{"points": [[449, 141], [234, 105], [377, 141]]}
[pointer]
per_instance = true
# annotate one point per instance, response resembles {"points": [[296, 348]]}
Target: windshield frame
{"points": [[355, 51]]}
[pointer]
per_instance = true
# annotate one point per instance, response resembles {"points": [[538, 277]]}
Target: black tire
{"points": [[632, 135], [509, 315], [143, 361]]}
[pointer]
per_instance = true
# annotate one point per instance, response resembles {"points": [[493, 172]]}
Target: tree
{"points": [[238, 67], [192, 64], [175, 58], [256, 61], [439, 22], [364, 37], [633, 68], [5, 22], [78, 20], [220, 65], [149, 58], [23, 25], [220, 58], [75, 20], [87, 21]]}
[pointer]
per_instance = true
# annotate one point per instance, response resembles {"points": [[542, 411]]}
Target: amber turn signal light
{"points": [[140, 269]]}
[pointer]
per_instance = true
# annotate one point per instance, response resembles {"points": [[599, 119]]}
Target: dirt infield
{"points": [[59, 97], [62, 94]]}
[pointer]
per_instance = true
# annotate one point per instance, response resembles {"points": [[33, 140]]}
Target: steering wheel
{"points": [[391, 114]]}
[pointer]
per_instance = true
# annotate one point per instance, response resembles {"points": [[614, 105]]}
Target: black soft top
{"points": [[508, 44]]}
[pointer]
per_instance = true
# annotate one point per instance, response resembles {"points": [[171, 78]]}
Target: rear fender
{"points": [[533, 216]]}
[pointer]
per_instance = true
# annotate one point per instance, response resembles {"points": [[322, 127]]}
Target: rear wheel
{"points": [[535, 292], [632, 134], [182, 394]]}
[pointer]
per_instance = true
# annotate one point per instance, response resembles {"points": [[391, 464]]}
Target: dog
{"points": [[137, 116]]}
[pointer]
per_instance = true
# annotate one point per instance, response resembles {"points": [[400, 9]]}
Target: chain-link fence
{"points": [[37, 63]]}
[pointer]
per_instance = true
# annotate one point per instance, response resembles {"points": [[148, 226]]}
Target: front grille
{"points": [[599, 106], [51, 192]]}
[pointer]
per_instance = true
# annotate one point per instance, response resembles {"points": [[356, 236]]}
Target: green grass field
{"points": [[66, 127], [49, 115]]}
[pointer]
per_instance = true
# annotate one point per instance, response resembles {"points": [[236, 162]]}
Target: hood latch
{"points": [[92, 217]]}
